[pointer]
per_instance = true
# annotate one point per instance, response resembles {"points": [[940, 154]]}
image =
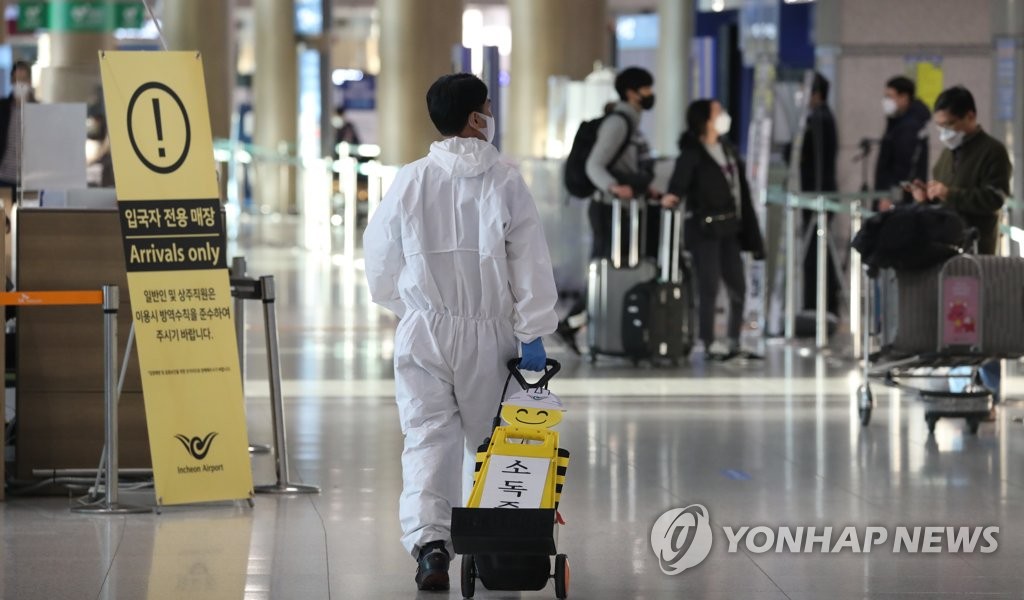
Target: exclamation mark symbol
{"points": [[159, 126]]}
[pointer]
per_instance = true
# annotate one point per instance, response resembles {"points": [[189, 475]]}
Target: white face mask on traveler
{"points": [[889, 106], [951, 138], [22, 90], [723, 123], [488, 129]]}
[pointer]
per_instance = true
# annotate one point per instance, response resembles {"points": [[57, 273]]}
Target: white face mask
{"points": [[489, 129], [723, 123], [889, 106], [951, 138], [22, 90], [337, 122]]}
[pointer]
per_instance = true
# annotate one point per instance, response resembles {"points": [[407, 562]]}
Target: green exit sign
{"points": [[80, 15]]}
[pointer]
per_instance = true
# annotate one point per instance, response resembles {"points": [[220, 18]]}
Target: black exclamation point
{"points": [[159, 125]]}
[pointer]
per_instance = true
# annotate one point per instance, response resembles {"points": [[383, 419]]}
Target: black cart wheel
{"points": [[561, 577], [865, 416], [931, 421], [973, 424], [468, 576]]}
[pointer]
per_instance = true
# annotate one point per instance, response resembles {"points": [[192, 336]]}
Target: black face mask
{"points": [[647, 102]]}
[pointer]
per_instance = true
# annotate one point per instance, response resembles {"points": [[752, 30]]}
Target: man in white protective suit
{"points": [[457, 252]]}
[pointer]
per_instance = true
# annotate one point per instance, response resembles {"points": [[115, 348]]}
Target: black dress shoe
{"points": [[432, 568], [567, 334]]}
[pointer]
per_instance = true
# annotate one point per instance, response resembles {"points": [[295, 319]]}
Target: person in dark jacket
{"points": [[818, 174], [903, 153], [10, 124], [972, 177], [720, 224]]}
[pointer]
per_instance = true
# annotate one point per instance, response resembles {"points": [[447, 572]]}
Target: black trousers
{"points": [[832, 284], [717, 260]]}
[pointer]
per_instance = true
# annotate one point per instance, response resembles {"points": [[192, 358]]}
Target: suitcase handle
{"points": [[634, 232], [670, 244], [551, 368]]}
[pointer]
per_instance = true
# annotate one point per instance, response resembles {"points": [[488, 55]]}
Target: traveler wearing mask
{"points": [[10, 124], [903, 153], [818, 174], [458, 253], [720, 224], [619, 165], [971, 177]]}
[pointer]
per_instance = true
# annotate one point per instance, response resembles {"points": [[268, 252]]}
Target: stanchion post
{"points": [[856, 218], [238, 269], [110, 504], [789, 328], [822, 278], [283, 485]]}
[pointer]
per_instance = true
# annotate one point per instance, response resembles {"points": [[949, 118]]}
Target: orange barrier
{"points": [[72, 298]]}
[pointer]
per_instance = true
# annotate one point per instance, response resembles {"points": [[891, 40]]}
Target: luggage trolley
{"points": [[975, 319], [507, 543]]}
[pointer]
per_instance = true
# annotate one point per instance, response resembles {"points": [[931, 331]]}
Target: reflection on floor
{"points": [[760, 444]]}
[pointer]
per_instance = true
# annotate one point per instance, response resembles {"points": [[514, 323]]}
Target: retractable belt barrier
{"points": [[262, 289], [855, 205], [108, 299]]}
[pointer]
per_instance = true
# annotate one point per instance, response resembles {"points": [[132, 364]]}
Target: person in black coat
{"points": [[903, 152], [10, 123], [818, 174], [720, 223]]}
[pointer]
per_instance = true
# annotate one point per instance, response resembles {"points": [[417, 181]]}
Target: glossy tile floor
{"points": [[773, 444]]}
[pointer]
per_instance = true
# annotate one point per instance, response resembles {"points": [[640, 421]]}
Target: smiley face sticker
{"points": [[535, 409]]}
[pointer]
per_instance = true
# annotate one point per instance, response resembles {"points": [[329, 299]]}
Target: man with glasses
{"points": [[971, 177]]}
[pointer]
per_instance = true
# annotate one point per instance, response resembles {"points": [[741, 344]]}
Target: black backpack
{"points": [[576, 180]]}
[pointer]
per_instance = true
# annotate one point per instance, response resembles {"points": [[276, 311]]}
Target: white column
{"points": [[673, 80]]}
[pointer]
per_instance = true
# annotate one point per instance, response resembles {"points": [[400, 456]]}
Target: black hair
{"points": [[697, 116], [20, 65], [452, 99], [632, 78], [902, 85], [820, 86], [957, 101]]}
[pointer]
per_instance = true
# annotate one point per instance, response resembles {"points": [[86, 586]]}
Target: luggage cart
{"points": [[966, 295], [510, 549]]}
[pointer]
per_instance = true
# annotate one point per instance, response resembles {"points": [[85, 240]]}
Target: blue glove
{"points": [[534, 358]]}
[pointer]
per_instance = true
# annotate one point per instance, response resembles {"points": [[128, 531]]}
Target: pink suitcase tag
{"points": [[961, 307]]}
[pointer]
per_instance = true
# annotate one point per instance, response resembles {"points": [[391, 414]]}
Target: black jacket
{"points": [[903, 153], [5, 122], [699, 181], [820, 141]]}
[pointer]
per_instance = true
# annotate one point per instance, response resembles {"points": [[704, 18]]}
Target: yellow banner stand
{"points": [[174, 245]]}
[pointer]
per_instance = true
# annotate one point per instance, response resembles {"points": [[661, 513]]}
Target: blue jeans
{"points": [[991, 374]]}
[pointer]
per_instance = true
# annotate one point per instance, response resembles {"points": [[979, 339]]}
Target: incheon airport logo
{"points": [[197, 447], [682, 537]]}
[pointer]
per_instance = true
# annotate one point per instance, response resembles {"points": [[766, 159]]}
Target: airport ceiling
{"points": [[616, 5]]}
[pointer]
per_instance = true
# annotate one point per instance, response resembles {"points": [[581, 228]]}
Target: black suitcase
{"points": [[658, 315]]}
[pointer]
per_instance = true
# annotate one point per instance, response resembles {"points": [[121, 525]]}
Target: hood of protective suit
{"points": [[464, 157]]}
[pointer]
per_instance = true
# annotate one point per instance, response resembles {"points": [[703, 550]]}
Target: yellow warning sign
{"points": [[175, 253], [159, 122]]}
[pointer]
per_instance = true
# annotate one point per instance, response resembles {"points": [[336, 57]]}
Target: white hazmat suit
{"points": [[457, 251]]}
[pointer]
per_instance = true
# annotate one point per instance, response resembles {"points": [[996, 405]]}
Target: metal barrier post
{"points": [[110, 504], [791, 273], [856, 277], [283, 485], [238, 270], [822, 278]]}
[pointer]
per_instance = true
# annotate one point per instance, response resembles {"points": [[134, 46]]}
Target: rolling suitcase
{"points": [[658, 317], [973, 306], [608, 282]]}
